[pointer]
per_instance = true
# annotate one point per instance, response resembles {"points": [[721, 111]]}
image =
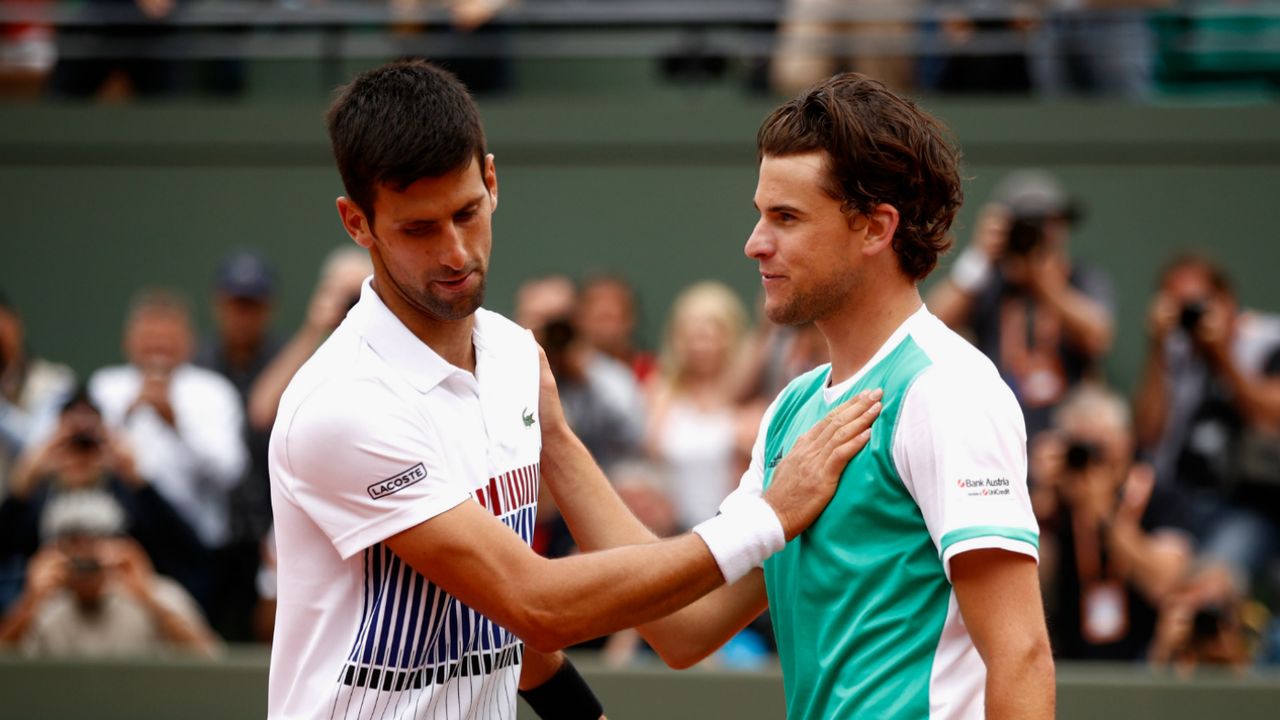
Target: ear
{"points": [[491, 180], [355, 222], [881, 224]]}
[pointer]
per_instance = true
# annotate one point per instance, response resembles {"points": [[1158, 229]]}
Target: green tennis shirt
{"points": [[865, 617]]}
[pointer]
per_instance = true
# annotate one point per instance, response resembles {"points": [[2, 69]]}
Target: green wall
{"points": [[98, 201], [236, 688]]}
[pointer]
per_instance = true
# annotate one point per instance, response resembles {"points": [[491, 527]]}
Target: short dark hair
{"points": [[399, 123], [1213, 273], [881, 149]]}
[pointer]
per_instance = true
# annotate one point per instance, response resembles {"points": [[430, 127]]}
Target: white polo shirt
{"points": [[376, 434]]}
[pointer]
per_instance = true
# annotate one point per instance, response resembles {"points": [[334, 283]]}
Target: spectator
{"points": [[30, 390], [1043, 318], [984, 43], [343, 272], [243, 305], [474, 49], [541, 300], [1110, 546], [239, 350], [184, 422], [82, 456], [601, 398], [115, 53], [90, 593], [27, 53], [774, 356], [1205, 622], [606, 320], [692, 430], [818, 38], [1208, 408], [1096, 47]]}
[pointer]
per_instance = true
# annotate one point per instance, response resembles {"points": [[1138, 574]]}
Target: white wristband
{"points": [[971, 270], [742, 536]]}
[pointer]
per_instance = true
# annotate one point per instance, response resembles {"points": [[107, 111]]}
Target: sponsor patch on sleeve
{"points": [[984, 487], [398, 482]]}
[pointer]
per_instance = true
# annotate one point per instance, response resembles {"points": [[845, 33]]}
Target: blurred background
{"points": [[170, 243]]}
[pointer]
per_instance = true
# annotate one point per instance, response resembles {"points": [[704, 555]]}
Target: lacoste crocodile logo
{"points": [[527, 417]]}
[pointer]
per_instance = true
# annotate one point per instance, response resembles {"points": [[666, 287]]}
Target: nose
{"points": [[759, 245], [453, 254]]}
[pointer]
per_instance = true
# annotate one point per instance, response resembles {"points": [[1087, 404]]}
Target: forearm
{"points": [[14, 626], [180, 632], [1085, 321], [1151, 405], [1155, 568], [1259, 397], [586, 596], [598, 520], [949, 303], [264, 396]]}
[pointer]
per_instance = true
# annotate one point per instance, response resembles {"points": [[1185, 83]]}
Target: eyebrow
{"points": [[786, 209], [471, 204]]}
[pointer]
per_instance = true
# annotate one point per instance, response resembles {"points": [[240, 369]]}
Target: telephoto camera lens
{"points": [[1190, 315]]}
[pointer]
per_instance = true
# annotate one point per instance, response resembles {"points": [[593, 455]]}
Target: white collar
{"points": [[400, 348]]}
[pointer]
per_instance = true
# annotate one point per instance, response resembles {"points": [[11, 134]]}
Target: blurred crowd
{"points": [[114, 49], [135, 513]]}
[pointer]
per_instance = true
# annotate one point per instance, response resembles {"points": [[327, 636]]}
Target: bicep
{"points": [[998, 594]]}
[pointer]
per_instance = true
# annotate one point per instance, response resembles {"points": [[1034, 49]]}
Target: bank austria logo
{"points": [[979, 487], [396, 483]]}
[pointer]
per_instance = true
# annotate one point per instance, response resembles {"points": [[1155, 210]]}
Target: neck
{"points": [[450, 339], [856, 332]]}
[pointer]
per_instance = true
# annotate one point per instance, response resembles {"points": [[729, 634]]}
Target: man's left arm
{"points": [[1085, 311], [998, 593], [961, 451]]}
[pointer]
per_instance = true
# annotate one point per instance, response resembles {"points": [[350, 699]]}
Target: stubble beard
{"points": [[451, 310], [814, 303]]}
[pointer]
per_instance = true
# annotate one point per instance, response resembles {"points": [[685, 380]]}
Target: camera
{"points": [[1207, 623], [84, 565], [1191, 314], [1081, 454], [1026, 233], [84, 441]]}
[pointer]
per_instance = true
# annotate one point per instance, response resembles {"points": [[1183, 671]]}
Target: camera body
{"points": [[1191, 314], [1026, 234], [1080, 455]]}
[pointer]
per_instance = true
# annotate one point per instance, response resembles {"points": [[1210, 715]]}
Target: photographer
{"points": [[1110, 551], [91, 593], [83, 457], [1042, 318], [30, 388], [1208, 410]]}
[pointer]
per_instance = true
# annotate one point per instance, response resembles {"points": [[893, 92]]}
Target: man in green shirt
{"points": [[915, 593]]}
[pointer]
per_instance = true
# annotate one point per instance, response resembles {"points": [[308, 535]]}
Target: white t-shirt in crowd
{"points": [[376, 434]]}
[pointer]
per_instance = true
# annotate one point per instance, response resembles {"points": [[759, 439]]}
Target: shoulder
{"points": [[500, 333], [958, 375]]}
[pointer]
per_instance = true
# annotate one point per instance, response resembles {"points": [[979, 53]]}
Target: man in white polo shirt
{"points": [[405, 459]]}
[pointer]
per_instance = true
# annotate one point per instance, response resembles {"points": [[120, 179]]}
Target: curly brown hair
{"points": [[880, 148]]}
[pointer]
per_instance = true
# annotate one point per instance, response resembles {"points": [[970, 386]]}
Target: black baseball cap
{"points": [[246, 274]]}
